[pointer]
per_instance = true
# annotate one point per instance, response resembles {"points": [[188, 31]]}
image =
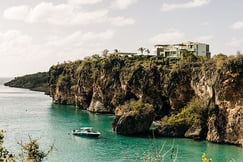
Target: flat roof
{"points": [[180, 44]]}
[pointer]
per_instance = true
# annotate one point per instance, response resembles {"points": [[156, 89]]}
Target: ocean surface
{"points": [[25, 113]]}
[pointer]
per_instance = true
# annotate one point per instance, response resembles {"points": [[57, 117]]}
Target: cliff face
{"points": [[223, 86], [106, 84], [101, 86]]}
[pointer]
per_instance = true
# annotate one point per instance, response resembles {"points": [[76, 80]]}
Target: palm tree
{"points": [[105, 52], [141, 50], [147, 51]]}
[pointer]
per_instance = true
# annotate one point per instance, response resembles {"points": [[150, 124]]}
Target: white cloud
{"points": [[121, 21], [205, 38], [76, 45], [18, 54], [14, 42], [16, 13], [235, 42], [189, 4], [205, 23], [168, 37], [63, 14], [100, 36], [83, 2], [123, 4], [19, 50], [71, 40], [98, 16], [78, 38], [47, 12], [237, 25]]}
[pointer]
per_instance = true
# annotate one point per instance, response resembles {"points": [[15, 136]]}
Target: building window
{"points": [[167, 53]]}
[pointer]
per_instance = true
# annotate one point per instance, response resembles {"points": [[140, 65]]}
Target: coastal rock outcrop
{"points": [[131, 123], [196, 131], [225, 124], [171, 130], [133, 118]]}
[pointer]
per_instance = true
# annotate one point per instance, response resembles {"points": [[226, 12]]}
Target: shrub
{"points": [[161, 154], [205, 159], [138, 107], [193, 112], [30, 151], [4, 154]]}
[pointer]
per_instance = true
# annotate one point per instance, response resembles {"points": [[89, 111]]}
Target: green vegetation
{"points": [[30, 151], [4, 154], [219, 60], [142, 50], [138, 107], [205, 159], [35, 82], [63, 81], [161, 154], [192, 113]]}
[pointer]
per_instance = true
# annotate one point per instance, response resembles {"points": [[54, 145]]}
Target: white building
{"points": [[175, 50], [128, 54]]}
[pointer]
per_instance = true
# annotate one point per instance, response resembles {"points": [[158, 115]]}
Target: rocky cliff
{"points": [[195, 97]]}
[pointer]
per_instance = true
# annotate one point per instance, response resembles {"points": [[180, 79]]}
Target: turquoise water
{"points": [[24, 112]]}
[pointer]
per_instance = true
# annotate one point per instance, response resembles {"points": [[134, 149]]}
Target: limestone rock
{"points": [[195, 132], [225, 124], [172, 130], [131, 123]]}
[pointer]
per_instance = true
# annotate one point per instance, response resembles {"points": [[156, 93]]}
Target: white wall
{"points": [[201, 51]]}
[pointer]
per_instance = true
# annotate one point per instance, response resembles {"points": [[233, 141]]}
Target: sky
{"points": [[36, 34]]}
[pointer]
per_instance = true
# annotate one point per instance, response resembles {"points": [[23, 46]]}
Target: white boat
{"points": [[86, 131]]}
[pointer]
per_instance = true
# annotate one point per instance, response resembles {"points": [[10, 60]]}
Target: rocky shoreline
{"points": [[194, 98]]}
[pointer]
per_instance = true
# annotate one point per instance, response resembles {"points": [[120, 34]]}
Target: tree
{"points": [[105, 52], [141, 50], [95, 56], [116, 50], [238, 53], [219, 60], [4, 154], [220, 56], [147, 51], [30, 151], [188, 55]]}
